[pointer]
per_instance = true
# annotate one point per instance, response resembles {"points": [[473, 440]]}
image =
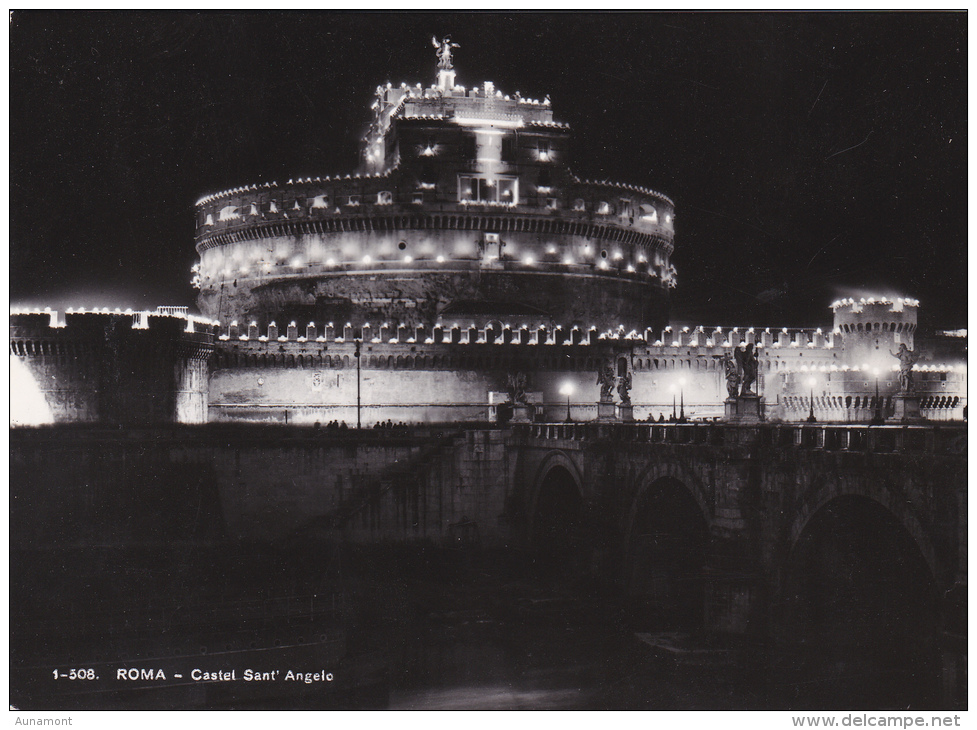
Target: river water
{"points": [[445, 631]]}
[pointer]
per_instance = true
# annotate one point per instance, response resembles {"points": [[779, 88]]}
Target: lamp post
{"points": [[567, 390], [681, 394], [877, 419], [356, 353], [811, 419]]}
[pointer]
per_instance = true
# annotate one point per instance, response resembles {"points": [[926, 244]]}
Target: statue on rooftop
{"points": [[444, 51], [907, 358]]}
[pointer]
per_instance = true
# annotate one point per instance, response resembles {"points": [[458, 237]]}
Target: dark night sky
{"points": [[810, 156]]}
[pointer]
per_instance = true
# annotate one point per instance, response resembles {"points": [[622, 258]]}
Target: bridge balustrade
{"points": [[876, 439]]}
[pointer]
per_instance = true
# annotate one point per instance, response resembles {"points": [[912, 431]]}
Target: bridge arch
{"points": [[556, 514], [667, 535], [894, 499], [859, 608], [673, 471]]}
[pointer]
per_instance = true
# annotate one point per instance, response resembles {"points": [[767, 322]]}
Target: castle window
{"points": [[320, 201], [509, 148], [353, 200], [552, 203], [604, 208], [503, 190], [544, 182], [417, 198], [579, 204], [648, 213], [229, 212], [543, 152], [385, 197]]}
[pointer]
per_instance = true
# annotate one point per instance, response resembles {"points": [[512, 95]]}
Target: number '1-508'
{"points": [[75, 674]]}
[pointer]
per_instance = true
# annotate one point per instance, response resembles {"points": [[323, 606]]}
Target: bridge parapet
{"points": [[928, 439]]}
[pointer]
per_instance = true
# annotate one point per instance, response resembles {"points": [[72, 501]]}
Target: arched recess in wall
{"points": [[859, 611], [556, 527], [666, 549]]}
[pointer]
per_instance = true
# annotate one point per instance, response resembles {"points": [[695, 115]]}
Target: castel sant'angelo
{"points": [[463, 273]]}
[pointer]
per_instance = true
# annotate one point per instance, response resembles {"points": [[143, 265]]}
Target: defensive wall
{"points": [[119, 367], [110, 367]]}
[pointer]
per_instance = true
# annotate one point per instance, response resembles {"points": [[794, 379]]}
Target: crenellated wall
{"points": [[109, 367], [453, 372], [166, 366]]}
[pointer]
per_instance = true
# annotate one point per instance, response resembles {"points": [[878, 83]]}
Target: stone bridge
{"points": [[831, 540], [817, 537]]}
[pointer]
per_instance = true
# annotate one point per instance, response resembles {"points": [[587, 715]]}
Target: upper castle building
{"points": [[464, 206]]}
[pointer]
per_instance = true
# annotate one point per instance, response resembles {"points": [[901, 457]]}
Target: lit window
{"points": [[353, 200], [579, 204], [385, 197], [320, 201], [604, 208], [543, 153], [417, 198], [552, 203], [229, 212], [503, 190]]}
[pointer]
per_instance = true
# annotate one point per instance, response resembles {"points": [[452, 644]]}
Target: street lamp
{"points": [[877, 419], [681, 392], [812, 382], [567, 390], [356, 353]]}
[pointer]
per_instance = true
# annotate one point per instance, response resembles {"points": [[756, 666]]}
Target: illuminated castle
{"points": [[462, 258], [464, 208]]}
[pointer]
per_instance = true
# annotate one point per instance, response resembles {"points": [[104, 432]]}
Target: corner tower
{"points": [[464, 207]]}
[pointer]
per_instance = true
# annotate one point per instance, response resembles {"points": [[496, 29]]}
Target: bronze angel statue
{"points": [[747, 360], [444, 51]]}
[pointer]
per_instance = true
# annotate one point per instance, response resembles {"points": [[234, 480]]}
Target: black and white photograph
{"points": [[488, 361]]}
